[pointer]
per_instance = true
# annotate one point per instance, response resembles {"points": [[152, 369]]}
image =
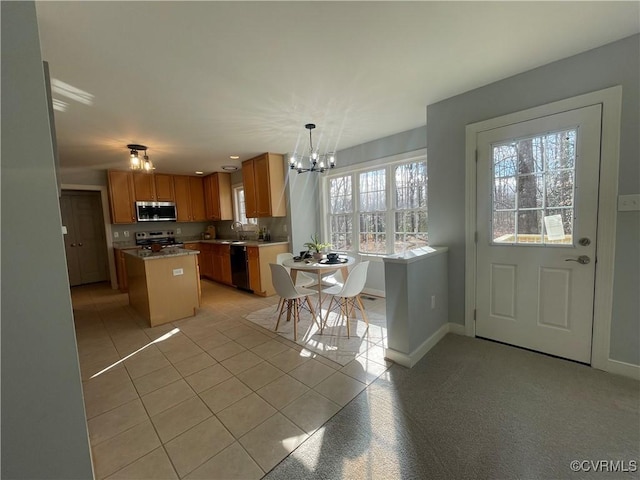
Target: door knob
{"points": [[582, 259]]}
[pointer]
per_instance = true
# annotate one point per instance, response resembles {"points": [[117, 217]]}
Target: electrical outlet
{"points": [[64, 229], [178, 271], [433, 302], [629, 203], [126, 233], [178, 231], [116, 234]]}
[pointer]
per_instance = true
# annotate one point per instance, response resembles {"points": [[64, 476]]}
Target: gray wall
{"points": [[609, 65], [44, 432]]}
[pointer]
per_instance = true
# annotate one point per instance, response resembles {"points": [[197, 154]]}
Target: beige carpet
{"points": [[333, 343]]}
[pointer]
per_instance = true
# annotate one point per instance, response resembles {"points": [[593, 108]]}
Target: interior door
{"points": [[85, 240], [537, 187]]}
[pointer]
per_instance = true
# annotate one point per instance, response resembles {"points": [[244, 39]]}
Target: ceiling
{"points": [[198, 82]]}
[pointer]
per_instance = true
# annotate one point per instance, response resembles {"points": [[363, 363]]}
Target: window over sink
{"points": [[378, 209], [239, 209]]}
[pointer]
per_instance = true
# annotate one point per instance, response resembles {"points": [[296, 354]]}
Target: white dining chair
{"points": [[293, 297], [346, 297], [302, 279]]}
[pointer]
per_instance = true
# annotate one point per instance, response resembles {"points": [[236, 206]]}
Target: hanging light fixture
{"points": [[137, 163], [317, 163]]}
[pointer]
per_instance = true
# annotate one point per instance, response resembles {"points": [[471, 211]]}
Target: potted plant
{"points": [[316, 247]]}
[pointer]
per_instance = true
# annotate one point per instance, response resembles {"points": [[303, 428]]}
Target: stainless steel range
{"points": [[162, 238]]}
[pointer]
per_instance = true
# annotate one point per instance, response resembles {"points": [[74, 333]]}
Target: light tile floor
{"points": [[211, 396]]}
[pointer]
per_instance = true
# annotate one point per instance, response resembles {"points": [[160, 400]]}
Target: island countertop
{"points": [[145, 254]]}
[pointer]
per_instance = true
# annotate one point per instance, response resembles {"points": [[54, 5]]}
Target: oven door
{"points": [[156, 211]]}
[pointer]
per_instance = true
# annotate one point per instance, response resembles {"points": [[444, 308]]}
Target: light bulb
{"points": [[292, 160], [332, 160], [321, 164], [314, 156]]}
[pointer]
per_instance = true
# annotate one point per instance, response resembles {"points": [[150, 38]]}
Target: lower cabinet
{"points": [[121, 268], [258, 259], [215, 262]]}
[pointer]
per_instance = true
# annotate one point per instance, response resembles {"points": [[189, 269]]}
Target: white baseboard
{"points": [[457, 329], [409, 360], [374, 292], [622, 368]]}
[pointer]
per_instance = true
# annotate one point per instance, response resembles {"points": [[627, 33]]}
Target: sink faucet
{"points": [[237, 227]]}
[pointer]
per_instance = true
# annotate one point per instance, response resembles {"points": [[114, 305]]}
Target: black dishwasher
{"points": [[239, 267]]}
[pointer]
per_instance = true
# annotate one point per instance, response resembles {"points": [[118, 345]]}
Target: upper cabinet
{"points": [[264, 183], [189, 198], [217, 196], [153, 187], [121, 197]]}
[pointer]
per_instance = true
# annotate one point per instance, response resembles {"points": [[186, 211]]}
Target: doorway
{"points": [[548, 290], [537, 190], [85, 242]]}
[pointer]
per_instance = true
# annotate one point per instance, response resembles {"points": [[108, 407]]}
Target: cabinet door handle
{"points": [[73, 244], [79, 244]]}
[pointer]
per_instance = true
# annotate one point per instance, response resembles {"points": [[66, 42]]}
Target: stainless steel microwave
{"points": [[156, 211]]}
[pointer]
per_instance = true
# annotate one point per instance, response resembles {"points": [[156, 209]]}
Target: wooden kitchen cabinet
{"points": [[121, 267], [258, 260], [264, 183], [206, 260], [217, 196], [189, 198], [121, 197], [153, 187], [222, 263], [196, 189]]}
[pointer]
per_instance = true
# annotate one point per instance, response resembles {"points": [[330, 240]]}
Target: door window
{"points": [[533, 189]]}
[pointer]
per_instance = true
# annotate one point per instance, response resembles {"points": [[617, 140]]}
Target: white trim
{"points": [[419, 155], [409, 360], [104, 197], [623, 368], [611, 101], [374, 292], [457, 329]]}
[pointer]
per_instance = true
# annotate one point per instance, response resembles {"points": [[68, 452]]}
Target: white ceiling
{"points": [[199, 81]]}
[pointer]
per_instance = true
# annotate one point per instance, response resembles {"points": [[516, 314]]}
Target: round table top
{"points": [[311, 264]]}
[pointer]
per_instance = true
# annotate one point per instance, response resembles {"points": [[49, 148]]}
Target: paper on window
{"points": [[554, 228]]}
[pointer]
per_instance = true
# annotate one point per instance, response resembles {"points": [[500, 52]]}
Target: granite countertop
{"points": [[164, 253]]}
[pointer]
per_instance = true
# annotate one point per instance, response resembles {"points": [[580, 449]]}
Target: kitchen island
{"points": [[163, 286]]}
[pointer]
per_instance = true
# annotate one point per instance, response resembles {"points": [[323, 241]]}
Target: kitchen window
{"points": [[239, 209], [378, 210]]}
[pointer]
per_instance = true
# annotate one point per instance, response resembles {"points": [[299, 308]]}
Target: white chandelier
{"points": [[317, 163], [135, 162]]}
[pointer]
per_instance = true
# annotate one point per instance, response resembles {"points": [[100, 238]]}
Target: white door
{"points": [[537, 198]]}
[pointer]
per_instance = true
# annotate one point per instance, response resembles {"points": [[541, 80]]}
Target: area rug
{"points": [[333, 342]]}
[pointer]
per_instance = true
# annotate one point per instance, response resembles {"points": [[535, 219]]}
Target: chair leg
{"points": [[281, 311], [296, 318], [326, 318], [346, 316], [289, 310], [361, 306], [311, 309]]}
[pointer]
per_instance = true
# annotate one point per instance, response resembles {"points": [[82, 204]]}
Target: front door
{"points": [[537, 198]]}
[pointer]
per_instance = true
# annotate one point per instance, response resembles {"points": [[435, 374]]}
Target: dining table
{"points": [[319, 267]]}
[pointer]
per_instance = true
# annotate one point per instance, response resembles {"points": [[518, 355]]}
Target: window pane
{"points": [[411, 185], [542, 168], [411, 230], [373, 191], [372, 233], [340, 196], [504, 226], [341, 232]]}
